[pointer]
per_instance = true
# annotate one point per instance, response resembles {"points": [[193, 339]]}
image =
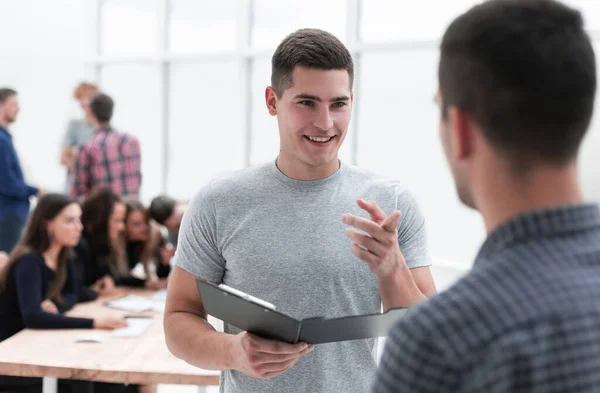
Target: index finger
{"points": [[391, 223], [276, 347], [366, 225], [371, 207]]}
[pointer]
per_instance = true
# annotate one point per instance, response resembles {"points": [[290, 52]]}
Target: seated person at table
{"points": [[100, 252], [143, 242], [168, 212], [38, 282]]}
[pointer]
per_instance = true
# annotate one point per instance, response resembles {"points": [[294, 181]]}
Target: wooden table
{"points": [[53, 354]]}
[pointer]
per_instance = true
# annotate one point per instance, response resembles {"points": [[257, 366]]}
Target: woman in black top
{"points": [[101, 252], [39, 283], [144, 244]]}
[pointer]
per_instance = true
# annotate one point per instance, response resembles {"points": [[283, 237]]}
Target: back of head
{"points": [[525, 70], [311, 48], [161, 208], [6, 93], [102, 107], [95, 217], [84, 89], [36, 238]]}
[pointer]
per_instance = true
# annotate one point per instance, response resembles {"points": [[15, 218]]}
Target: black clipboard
{"points": [[268, 323]]}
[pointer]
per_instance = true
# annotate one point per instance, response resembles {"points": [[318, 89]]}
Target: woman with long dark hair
{"points": [[143, 243], [101, 251], [39, 283]]}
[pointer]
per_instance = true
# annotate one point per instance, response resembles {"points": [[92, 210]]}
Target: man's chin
{"points": [[467, 200]]}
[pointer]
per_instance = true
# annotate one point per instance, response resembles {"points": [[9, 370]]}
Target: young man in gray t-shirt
{"points": [[290, 232]]}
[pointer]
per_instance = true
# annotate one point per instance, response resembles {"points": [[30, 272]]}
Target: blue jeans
{"points": [[11, 228]]}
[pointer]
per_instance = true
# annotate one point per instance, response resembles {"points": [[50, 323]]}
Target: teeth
{"points": [[317, 139]]}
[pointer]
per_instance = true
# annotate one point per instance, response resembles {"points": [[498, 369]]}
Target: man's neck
{"points": [[505, 196], [102, 126], [297, 170], [4, 124]]}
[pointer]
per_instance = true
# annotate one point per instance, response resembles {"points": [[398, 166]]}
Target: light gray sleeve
{"points": [[197, 250], [412, 237], [69, 139]]}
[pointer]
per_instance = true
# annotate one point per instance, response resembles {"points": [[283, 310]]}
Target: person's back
{"points": [[517, 82], [527, 318], [110, 158]]}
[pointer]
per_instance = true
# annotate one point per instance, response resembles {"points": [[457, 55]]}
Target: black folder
{"points": [[268, 323]]}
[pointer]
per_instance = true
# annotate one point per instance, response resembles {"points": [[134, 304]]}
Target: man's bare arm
{"points": [[190, 337]]}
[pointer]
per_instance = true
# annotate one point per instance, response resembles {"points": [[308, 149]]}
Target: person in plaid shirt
{"points": [[110, 158], [517, 81]]}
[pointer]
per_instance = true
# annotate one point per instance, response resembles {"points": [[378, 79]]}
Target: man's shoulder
{"points": [[454, 321], [239, 180], [5, 139], [238, 183], [125, 137], [373, 183]]}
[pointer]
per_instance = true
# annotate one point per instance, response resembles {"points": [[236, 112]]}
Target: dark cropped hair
{"points": [[526, 71], [311, 48]]}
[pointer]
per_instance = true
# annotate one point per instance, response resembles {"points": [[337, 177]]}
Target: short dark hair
{"points": [[525, 70], [161, 208], [6, 93], [102, 107], [311, 48]]}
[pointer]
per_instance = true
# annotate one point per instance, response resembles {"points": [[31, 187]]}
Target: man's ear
{"points": [[271, 100], [460, 128]]}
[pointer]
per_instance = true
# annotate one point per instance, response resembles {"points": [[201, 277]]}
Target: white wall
{"points": [[43, 46], [49, 45]]}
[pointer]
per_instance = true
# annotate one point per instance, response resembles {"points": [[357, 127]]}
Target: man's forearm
{"points": [[399, 289], [194, 340]]}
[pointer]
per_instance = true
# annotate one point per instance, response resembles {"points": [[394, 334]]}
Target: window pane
{"points": [[129, 27], [590, 151], [275, 19], [135, 89], [408, 20], [398, 138], [204, 123], [199, 26]]}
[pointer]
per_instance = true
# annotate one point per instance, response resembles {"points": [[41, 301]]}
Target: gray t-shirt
{"points": [[283, 240], [79, 132]]}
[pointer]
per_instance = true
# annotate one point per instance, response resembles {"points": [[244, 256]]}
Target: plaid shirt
{"points": [[525, 319], [110, 158]]}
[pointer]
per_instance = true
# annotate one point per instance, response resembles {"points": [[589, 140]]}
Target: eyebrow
{"points": [[315, 98]]}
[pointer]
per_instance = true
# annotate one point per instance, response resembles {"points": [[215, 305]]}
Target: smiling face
{"points": [[313, 116]]}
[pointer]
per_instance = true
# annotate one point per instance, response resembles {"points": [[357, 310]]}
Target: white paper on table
{"points": [[160, 295], [132, 303], [158, 306], [89, 338], [136, 326]]}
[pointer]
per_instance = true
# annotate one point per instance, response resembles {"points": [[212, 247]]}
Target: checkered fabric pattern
{"points": [[112, 159], [525, 319]]}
